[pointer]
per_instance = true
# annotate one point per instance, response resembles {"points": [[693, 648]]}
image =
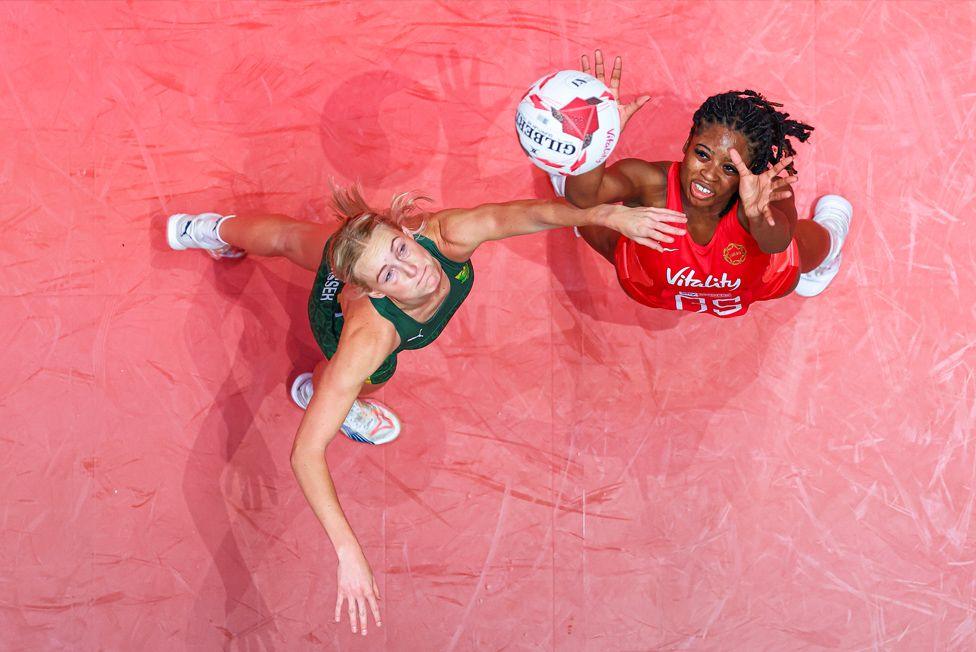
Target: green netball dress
{"points": [[325, 313]]}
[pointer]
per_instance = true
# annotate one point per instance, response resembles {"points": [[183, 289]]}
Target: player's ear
{"points": [[358, 290]]}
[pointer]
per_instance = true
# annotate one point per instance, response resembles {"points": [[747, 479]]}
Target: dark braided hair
{"points": [[767, 130]]}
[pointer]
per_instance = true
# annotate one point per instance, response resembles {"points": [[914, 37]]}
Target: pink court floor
{"points": [[576, 472]]}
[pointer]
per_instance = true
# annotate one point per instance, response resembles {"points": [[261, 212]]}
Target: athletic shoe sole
{"points": [[810, 287]]}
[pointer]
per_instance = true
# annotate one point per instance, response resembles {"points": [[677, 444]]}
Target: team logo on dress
{"points": [[419, 334], [734, 253], [686, 277], [464, 274]]}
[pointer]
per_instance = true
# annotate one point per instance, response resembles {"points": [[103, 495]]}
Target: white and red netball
{"points": [[568, 122]]}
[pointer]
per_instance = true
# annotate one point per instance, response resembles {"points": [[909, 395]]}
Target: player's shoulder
{"points": [[363, 324], [438, 226], [367, 338], [450, 230], [643, 172], [650, 178]]}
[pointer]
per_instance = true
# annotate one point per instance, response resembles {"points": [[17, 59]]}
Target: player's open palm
{"points": [[613, 83], [758, 191]]}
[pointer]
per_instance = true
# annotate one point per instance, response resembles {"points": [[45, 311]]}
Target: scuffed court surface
{"points": [[578, 472]]}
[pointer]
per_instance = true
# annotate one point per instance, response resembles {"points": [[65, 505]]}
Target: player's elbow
{"points": [[298, 457], [302, 455], [777, 246]]}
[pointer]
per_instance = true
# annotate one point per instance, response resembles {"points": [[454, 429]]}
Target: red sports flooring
{"points": [[577, 472]]}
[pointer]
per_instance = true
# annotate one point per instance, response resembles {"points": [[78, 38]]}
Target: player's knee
{"points": [[292, 238]]}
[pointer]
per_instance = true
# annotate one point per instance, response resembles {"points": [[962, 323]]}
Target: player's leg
{"points": [[819, 242], [812, 244], [278, 235], [262, 235]]}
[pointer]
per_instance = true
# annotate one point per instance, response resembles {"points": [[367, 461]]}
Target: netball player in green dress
{"points": [[386, 281]]}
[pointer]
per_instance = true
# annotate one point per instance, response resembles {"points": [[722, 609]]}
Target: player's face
{"points": [[708, 176], [394, 265]]}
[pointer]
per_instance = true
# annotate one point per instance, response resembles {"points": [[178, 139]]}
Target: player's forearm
{"points": [[554, 214], [776, 237], [499, 221], [313, 477], [323, 418]]}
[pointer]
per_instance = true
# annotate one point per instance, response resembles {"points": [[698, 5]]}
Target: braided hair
{"points": [[767, 130]]}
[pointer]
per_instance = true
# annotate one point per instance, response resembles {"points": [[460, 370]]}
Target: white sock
{"points": [[215, 232], [836, 232], [207, 232]]}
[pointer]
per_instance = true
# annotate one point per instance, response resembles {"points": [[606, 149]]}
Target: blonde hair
{"points": [[359, 221]]}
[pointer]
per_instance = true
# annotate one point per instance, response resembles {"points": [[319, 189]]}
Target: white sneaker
{"points": [[368, 421], [185, 231], [301, 390], [834, 213]]}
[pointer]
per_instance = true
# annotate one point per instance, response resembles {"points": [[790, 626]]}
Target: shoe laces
{"points": [[195, 228]]}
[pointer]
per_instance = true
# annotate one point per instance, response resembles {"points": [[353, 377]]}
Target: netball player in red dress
{"points": [[744, 242]]}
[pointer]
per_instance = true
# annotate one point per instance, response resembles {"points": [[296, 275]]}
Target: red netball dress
{"points": [[721, 278]]}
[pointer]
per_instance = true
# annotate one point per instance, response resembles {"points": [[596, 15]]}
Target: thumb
{"points": [[634, 106], [627, 112]]}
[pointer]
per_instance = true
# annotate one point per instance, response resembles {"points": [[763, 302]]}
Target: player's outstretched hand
{"points": [[613, 83], [758, 191], [357, 588], [651, 227]]}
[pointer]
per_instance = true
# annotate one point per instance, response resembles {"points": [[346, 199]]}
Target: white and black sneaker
{"points": [[301, 390], [834, 213], [185, 231], [368, 421]]}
